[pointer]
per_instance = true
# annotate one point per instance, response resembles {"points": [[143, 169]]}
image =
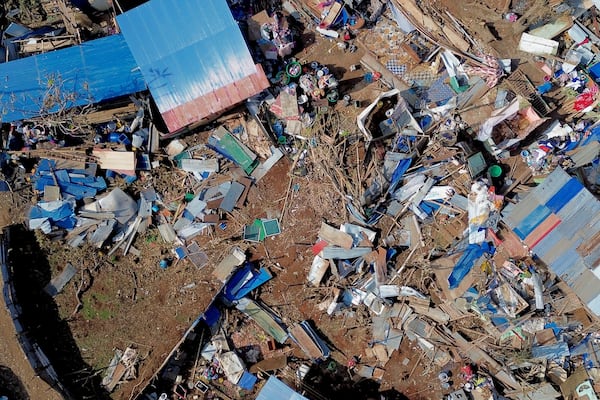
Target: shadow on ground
{"points": [[11, 386], [41, 318]]}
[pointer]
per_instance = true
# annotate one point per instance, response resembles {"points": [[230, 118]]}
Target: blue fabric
{"points": [[471, 254], [212, 315]]}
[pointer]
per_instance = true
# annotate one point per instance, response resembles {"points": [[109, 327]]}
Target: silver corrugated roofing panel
{"points": [[568, 266], [521, 211], [587, 286], [575, 205], [569, 228], [594, 305], [560, 248], [547, 244], [551, 185]]}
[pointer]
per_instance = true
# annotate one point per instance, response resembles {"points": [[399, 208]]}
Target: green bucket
{"points": [[495, 171]]}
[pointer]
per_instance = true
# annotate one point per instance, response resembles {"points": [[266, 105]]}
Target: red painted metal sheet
{"points": [[216, 102], [542, 230]]}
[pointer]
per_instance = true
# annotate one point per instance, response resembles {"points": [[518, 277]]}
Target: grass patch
{"points": [[96, 307]]}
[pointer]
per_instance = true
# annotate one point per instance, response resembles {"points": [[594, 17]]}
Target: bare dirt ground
{"points": [[17, 379]]}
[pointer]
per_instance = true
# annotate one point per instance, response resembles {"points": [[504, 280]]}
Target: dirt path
{"points": [[14, 364]]}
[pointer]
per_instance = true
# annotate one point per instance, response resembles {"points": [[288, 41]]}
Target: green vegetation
{"points": [[97, 306]]}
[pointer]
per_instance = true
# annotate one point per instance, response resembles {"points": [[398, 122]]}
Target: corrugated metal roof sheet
{"points": [[594, 305], [553, 182], [520, 211], [542, 230], [94, 71], [547, 244], [575, 204], [275, 389], [586, 286], [564, 194], [531, 221], [193, 57], [572, 248]]}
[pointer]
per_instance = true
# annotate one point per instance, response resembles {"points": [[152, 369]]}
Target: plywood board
{"points": [[335, 236], [119, 161]]}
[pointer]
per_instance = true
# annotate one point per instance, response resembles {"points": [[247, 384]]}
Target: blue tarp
{"points": [[97, 70], [466, 261], [212, 315], [276, 389]]}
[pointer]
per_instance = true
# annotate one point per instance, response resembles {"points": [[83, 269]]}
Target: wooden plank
{"points": [[116, 160], [332, 13], [335, 236], [45, 45]]}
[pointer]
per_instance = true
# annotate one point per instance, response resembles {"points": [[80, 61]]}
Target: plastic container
{"points": [[294, 69], [495, 171]]}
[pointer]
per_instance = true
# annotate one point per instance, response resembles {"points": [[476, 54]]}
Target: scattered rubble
{"points": [[452, 179]]}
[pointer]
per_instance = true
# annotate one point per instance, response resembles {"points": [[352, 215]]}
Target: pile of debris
{"points": [[463, 230]]}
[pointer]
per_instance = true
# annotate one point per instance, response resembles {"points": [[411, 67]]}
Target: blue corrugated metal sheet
{"points": [[94, 71], [564, 194], [544, 192], [568, 266], [530, 222], [575, 204], [520, 211], [188, 49], [274, 389], [570, 250], [573, 225]]}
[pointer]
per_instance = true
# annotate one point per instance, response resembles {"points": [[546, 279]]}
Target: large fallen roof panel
{"points": [[193, 56], [276, 389], [571, 248], [92, 72]]}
